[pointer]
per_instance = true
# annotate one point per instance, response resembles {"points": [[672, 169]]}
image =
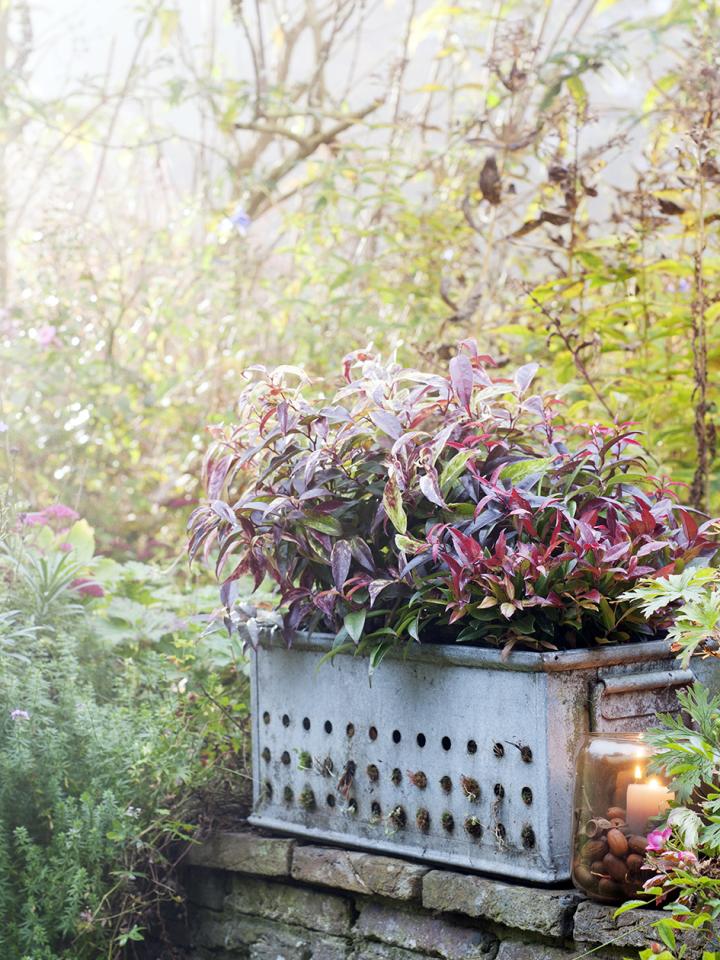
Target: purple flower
{"points": [[46, 335], [37, 519], [684, 285], [19, 715], [240, 220], [658, 838], [3, 427]]}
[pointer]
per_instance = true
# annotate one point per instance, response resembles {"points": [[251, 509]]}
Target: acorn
{"points": [[583, 877], [616, 813], [597, 868], [637, 844], [609, 889], [594, 850], [634, 863], [617, 842], [614, 867]]}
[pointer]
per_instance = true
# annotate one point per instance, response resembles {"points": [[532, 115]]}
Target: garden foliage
{"points": [[410, 505]]}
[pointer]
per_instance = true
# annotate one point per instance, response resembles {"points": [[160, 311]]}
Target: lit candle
{"points": [[645, 801]]}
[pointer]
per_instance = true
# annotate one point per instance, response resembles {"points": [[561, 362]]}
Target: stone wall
{"points": [[261, 897]]}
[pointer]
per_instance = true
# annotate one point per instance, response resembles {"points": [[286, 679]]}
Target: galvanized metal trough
{"points": [[450, 755]]}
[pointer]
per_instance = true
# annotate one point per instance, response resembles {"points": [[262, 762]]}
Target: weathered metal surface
{"points": [[493, 742]]}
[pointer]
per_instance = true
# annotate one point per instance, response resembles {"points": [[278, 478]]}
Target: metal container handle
{"points": [[626, 701]]}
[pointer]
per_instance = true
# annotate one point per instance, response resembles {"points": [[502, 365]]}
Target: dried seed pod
{"points": [[615, 867], [616, 813], [637, 844], [597, 868], [617, 823], [596, 827], [609, 889], [594, 850], [634, 863], [617, 842], [583, 878]]}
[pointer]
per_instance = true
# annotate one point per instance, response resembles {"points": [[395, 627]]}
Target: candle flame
{"points": [[638, 772]]}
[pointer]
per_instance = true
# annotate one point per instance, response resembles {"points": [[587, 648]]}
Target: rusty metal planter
{"points": [[450, 755]]}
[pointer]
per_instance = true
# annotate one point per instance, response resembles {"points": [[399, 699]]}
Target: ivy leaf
{"points": [[354, 623]]}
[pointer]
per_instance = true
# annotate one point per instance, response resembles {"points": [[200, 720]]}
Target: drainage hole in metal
{"points": [[418, 778], [422, 820], [397, 736], [328, 726], [528, 837], [526, 794], [352, 806], [266, 718], [396, 776], [350, 730], [266, 754], [285, 720], [446, 784], [421, 740], [307, 799], [526, 754], [285, 758], [267, 791], [397, 817], [499, 791], [288, 795], [499, 750], [375, 809], [500, 832], [446, 743], [448, 822], [306, 723], [373, 773], [470, 787], [471, 746], [372, 733], [473, 827], [330, 800]]}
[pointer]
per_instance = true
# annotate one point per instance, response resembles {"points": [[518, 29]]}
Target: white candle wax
{"points": [[645, 801]]}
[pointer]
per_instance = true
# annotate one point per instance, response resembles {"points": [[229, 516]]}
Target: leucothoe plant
{"points": [[405, 505]]}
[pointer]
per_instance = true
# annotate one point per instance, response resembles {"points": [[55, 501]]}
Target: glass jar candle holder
{"points": [[617, 803]]}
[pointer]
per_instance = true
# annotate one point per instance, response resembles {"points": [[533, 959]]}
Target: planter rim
{"points": [[524, 661]]}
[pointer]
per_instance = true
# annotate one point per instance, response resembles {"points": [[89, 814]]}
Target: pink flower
{"points": [[59, 511], [658, 838], [46, 335], [87, 587], [33, 519]]}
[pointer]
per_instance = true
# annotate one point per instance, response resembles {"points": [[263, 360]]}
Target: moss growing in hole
{"points": [[396, 776], [418, 779], [304, 760], [471, 788], [422, 819], [528, 837], [307, 799], [448, 822], [397, 818], [473, 827], [446, 784], [326, 767], [288, 795], [266, 754], [373, 773]]}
